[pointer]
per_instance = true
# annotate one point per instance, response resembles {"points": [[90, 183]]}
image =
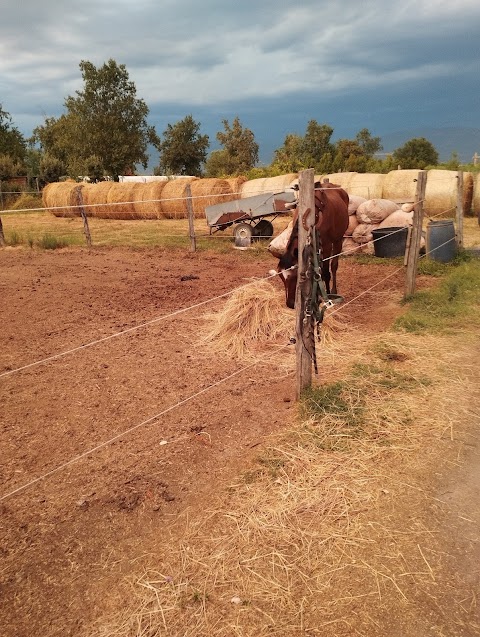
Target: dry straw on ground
{"points": [[309, 541]]}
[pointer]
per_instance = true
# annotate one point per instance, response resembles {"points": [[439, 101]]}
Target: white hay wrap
{"points": [[278, 246]]}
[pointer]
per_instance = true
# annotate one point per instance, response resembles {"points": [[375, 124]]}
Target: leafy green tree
{"points": [[12, 142], [105, 120], [369, 145], [9, 168], [219, 164], [51, 169], [416, 153], [316, 143], [183, 150], [239, 145], [289, 157]]}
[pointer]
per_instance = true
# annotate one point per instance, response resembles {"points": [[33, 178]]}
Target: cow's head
{"points": [[287, 267]]}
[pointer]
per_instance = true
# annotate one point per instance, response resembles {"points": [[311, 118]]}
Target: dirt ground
{"points": [[102, 508]]}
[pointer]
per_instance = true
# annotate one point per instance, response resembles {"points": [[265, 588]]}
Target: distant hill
{"points": [[464, 141]]}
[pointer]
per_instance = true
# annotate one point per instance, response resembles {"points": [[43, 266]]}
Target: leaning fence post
{"points": [[191, 227], [86, 229], [306, 214], [460, 209], [416, 234], [2, 236]]}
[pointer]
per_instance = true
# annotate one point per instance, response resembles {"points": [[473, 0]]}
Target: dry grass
{"points": [[310, 541]]}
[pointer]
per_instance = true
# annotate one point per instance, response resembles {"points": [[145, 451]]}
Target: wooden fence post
{"points": [[306, 211], [2, 236], [191, 227], [415, 234], [460, 209], [86, 229]]}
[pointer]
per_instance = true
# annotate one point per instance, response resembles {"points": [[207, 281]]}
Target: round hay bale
{"points": [[441, 193], [253, 187], [209, 192], [61, 198], [375, 210], [120, 198], [95, 199], [236, 184], [148, 204], [279, 183], [342, 179], [174, 202], [400, 185], [368, 185], [476, 196]]}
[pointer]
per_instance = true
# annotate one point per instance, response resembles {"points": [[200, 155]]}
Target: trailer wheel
{"points": [[263, 229], [243, 235]]}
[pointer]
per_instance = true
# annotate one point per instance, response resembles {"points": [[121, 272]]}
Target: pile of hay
{"points": [[256, 315]]}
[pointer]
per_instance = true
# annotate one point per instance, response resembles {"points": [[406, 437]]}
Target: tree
{"points": [[289, 158], [106, 120], [316, 143], [239, 145], [369, 145], [183, 150], [416, 153], [219, 164], [12, 142]]}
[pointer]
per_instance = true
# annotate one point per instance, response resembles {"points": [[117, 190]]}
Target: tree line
{"points": [[104, 132]]}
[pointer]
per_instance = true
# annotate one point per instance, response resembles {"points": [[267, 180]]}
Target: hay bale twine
{"points": [[367, 185], [209, 192], [59, 197], [174, 202], [95, 199], [120, 200], [148, 200], [441, 193], [375, 210], [400, 185]]}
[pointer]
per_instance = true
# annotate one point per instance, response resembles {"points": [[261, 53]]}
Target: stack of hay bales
{"points": [[235, 184], [164, 199], [341, 179], [258, 186], [400, 185], [366, 185]]}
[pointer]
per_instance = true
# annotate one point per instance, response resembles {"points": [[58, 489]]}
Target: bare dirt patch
{"points": [[68, 540]]}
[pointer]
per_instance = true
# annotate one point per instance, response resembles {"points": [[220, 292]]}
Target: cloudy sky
{"points": [[377, 64]]}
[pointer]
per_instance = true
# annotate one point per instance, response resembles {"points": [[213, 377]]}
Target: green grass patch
{"points": [[452, 304], [50, 242]]}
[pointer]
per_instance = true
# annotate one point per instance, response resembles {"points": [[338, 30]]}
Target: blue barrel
{"points": [[441, 240]]}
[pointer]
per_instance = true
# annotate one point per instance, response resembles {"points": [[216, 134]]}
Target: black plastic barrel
{"points": [[441, 240], [390, 242]]}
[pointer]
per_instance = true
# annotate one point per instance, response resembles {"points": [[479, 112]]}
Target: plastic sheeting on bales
{"points": [[253, 187], [400, 185], [267, 184], [441, 193], [368, 185], [236, 184]]}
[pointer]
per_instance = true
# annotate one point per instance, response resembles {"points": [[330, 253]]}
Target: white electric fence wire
{"points": [[105, 443], [135, 327]]}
